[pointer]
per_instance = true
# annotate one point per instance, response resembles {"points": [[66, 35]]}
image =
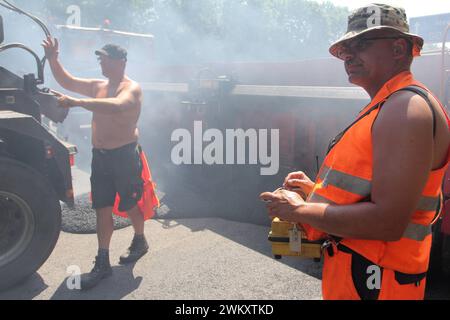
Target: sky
{"points": [[413, 8]]}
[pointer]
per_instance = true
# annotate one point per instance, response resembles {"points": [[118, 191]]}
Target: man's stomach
{"points": [[113, 139]]}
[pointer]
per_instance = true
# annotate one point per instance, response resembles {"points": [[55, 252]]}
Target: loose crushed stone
{"points": [[82, 218]]}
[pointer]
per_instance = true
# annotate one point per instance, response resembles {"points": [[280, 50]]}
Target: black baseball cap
{"points": [[113, 51]]}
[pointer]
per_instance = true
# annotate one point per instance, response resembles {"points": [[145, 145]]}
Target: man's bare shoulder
{"points": [[135, 86], [98, 83], [130, 85], [405, 109]]}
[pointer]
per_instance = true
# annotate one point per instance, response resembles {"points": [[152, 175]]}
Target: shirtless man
{"points": [[116, 167]]}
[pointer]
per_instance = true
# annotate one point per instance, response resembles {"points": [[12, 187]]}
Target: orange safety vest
{"points": [[345, 178], [149, 201]]}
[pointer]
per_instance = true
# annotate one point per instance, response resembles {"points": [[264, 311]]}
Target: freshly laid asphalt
{"points": [[189, 259], [204, 258]]}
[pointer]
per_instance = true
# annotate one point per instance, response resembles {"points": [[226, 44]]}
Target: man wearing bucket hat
{"points": [[378, 191], [116, 156]]}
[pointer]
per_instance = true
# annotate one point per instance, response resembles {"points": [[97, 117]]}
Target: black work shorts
{"points": [[116, 171]]}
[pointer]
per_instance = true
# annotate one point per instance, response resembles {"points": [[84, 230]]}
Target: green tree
{"points": [[192, 31]]}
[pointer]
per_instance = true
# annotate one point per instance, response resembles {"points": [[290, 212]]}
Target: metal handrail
{"points": [[40, 67]]}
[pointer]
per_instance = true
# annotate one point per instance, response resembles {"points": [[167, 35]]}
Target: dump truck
{"points": [[35, 169]]}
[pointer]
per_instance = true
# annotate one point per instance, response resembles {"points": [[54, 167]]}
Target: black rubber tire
{"points": [[32, 188], [277, 257]]}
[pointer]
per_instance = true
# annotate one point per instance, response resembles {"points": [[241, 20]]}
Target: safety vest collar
{"points": [[403, 79]]}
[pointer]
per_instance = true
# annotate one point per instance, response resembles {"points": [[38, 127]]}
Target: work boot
{"points": [[137, 249], [102, 269]]}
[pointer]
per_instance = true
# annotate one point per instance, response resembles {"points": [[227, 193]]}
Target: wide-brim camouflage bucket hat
{"points": [[378, 17]]}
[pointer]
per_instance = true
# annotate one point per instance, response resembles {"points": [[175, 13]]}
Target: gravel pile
{"points": [[82, 218]]}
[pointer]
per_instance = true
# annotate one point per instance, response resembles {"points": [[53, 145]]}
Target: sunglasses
{"points": [[361, 44], [100, 58]]}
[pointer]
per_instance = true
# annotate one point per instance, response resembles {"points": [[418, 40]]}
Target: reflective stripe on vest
{"points": [[413, 231], [417, 232], [363, 187], [344, 181]]}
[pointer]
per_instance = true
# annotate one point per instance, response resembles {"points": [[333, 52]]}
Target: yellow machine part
{"points": [[279, 238]]}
